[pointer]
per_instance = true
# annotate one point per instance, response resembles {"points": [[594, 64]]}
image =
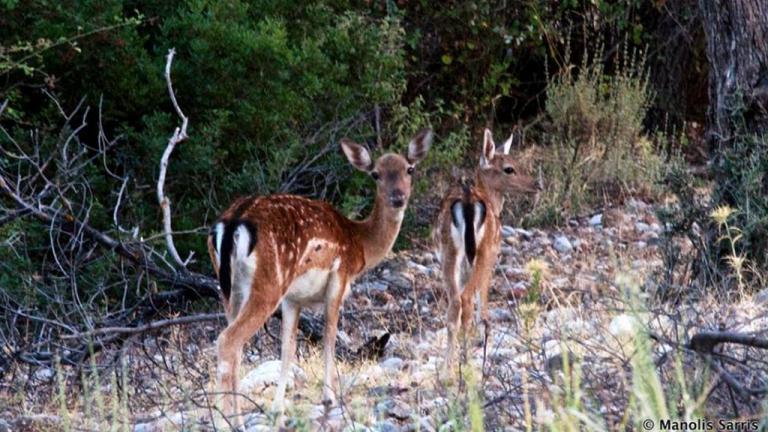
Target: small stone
{"points": [[642, 227], [426, 424], [761, 297], [507, 231], [266, 374], [138, 427], [392, 364], [372, 286], [624, 326], [527, 235], [596, 220], [562, 244], [398, 280], [507, 250], [44, 374], [385, 426], [500, 314], [418, 267], [400, 410]]}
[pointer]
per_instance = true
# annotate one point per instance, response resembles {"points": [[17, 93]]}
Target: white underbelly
{"points": [[309, 288]]}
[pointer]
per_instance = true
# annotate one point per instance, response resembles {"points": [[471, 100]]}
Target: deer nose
{"points": [[397, 198]]}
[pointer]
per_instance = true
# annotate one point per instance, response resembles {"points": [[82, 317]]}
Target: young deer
{"points": [[293, 251], [468, 234]]}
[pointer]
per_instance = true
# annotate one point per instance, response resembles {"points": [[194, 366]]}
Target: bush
{"points": [[595, 137]]}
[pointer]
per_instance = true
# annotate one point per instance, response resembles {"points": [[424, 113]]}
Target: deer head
{"points": [[391, 172], [498, 170]]}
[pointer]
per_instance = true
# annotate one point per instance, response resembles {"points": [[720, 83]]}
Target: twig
{"points": [[179, 135], [146, 327]]}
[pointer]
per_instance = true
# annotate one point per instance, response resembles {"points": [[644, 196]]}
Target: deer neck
{"points": [[378, 231], [495, 196]]}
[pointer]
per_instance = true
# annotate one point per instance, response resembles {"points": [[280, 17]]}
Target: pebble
{"points": [[44, 374], [596, 220], [392, 364], [500, 314], [266, 374], [761, 297], [562, 244], [385, 426]]}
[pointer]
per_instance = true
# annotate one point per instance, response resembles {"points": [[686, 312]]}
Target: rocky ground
{"points": [[596, 274]]}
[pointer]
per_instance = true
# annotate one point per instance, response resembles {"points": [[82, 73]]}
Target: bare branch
{"points": [[705, 342], [147, 327], [179, 135]]}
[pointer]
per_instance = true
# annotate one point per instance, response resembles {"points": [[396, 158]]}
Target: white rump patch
{"points": [[458, 225], [480, 210], [242, 239], [218, 230]]}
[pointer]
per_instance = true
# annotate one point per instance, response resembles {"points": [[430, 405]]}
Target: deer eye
{"points": [[509, 170], [410, 170], [375, 175]]}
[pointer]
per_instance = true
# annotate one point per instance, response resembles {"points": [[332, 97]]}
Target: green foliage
{"points": [[744, 169], [595, 132]]}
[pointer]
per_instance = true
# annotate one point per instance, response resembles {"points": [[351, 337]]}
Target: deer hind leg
{"points": [[477, 285], [253, 314], [291, 313], [337, 285], [452, 277]]}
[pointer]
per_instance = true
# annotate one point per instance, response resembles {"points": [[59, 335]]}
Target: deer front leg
{"points": [[291, 313], [333, 298]]}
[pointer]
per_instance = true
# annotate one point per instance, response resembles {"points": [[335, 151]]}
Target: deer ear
{"points": [[489, 148], [507, 144], [357, 155], [419, 145]]}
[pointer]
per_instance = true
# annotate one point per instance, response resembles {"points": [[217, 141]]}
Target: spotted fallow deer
{"points": [[292, 252], [467, 235]]}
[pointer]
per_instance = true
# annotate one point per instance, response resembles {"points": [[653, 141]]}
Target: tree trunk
{"points": [[737, 130], [737, 49]]}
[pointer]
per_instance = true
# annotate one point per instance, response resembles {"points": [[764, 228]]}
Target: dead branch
{"points": [[179, 135], [705, 342], [154, 325]]}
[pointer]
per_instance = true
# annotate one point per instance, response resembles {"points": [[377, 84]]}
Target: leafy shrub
{"points": [[595, 136]]}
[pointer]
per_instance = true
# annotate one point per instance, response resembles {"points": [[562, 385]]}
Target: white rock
{"points": [[624, 327], [392, 364], [372, 286], [562, 244], [418, 267], [761, 297], [642, 227], [138, 427], [507, 230], [44, 374], [266, 374], [500, 314], [552, 348], [596, 220]]}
